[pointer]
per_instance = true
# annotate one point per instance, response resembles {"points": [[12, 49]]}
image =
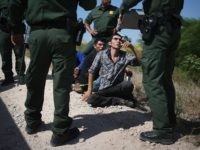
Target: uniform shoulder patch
{"points": [[111, 12]]}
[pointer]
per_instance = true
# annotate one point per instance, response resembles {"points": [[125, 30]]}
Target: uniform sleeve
{"points": [[89, 18], [126, 4], [88, 4], [96, 64], [16, 14]]}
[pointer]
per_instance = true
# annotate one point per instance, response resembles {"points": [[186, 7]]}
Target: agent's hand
{"points": [[114, 30], [17, 39], [86, 96], [93, 32], [119, 22]]}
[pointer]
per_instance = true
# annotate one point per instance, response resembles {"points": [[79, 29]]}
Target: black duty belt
{"points": [[49, 25]]}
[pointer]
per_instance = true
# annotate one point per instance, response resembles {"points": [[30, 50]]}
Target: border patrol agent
{"points": [[51, 40], [6, 47], [104, 18], [161, 34]]}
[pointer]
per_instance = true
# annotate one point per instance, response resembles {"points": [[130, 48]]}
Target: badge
{"points": [[111, 12]]}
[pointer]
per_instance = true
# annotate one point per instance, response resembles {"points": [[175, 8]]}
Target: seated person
{"points": [[26, 34], [82, 79], [111, 64], [79, 64]]}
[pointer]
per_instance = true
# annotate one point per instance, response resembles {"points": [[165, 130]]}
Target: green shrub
{"points": [[190, 40], [191, 64]]}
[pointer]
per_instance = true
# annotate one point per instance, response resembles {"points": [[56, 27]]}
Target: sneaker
{"points": [[70, 134], [130, 104], [33, 129], [7, 82], [124, 102]]}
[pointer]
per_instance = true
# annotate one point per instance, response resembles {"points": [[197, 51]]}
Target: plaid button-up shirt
{"points": [[111, 73]]}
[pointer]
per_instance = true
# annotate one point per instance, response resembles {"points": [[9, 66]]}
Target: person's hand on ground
{"points": [[86, 95]]}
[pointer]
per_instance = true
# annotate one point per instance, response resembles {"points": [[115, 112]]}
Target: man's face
{"points": [[105, 2], [116, 42], [99, 46]]}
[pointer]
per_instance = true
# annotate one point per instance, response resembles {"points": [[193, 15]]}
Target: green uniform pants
{"points": [[50, 46], [6, 53], [158, 61]]}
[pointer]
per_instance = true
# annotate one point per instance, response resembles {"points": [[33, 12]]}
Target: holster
{"points": [[148, 27], [79, 31]]}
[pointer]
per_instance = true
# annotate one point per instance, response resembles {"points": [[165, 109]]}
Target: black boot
{"points": [[21, 80], [155, 137], [127, 103], [7, 81], [70, 134], [33, 129]]}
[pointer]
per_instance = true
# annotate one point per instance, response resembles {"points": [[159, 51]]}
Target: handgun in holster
{"points": [[80, 30], [148, 27]]}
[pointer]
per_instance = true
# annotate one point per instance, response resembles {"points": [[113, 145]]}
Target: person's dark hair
{"points": [[99, 39], [115, 34]]}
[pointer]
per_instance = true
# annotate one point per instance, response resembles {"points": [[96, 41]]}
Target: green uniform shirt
{"points": [[104, 19], [3, 3], [154, 6], [38, 11]]}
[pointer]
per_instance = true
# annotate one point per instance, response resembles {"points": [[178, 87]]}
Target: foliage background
{"points": [[188, 53]]}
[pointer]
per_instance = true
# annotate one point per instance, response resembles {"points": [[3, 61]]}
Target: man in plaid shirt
{"points": [[111, 64]]}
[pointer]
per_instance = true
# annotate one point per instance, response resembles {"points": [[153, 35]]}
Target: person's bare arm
{"points": [[90, 30], [90, 87]]}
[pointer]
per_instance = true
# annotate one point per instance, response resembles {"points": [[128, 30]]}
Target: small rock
{"points": [[35, 136], [81, 140], [121, 129], [18, 115], [153, 144]]}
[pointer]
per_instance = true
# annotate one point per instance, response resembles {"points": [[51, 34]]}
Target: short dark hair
{"points": [[115, 34], [99, 39]]}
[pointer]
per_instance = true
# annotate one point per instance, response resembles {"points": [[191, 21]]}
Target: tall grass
{"points": [[187, 94]]}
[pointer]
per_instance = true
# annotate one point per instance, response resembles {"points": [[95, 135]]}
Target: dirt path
{"points": [[111, 128]]}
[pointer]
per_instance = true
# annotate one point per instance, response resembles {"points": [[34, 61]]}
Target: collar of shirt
{"points": [[109, 54], [104, 8]]}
